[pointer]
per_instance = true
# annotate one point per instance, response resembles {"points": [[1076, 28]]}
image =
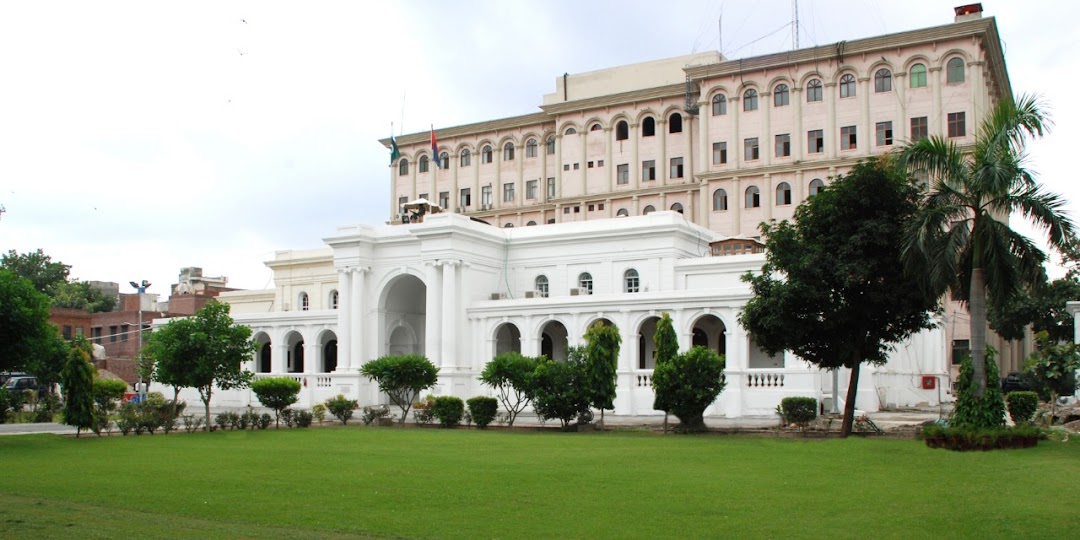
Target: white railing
{"points": [[771, 379]]}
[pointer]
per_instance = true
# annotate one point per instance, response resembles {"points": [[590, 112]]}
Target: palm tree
{"points": [[960, 240]]}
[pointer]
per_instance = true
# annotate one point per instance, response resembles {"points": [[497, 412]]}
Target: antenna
{"points": [[720, 31], [795, 24]]}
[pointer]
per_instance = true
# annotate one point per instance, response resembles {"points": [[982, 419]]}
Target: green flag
{"points": [[394, 152]]}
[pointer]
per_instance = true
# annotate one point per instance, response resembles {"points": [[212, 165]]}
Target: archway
{"points": [[507, 339], [646, 345], [328, 351], [294, 343], [403, 316], [554, 341], [710, 332], [263, 349]]}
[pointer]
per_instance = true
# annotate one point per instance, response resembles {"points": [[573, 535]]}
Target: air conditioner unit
{"points": [[460, 210], [498, 296], [404, 218], [534, 294], [485, 207], [579, 292]]}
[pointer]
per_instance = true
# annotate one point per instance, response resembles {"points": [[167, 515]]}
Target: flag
{"points": [[435, 148], [394, 152]]}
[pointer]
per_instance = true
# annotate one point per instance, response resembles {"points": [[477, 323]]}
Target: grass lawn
{"points": [[407, 482]]}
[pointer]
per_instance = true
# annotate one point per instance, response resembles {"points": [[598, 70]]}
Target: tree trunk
{"points": [[175, 398], [665, 421], [692, 424], [849, 404], [977, 310], [206, 402], [601, 419]]}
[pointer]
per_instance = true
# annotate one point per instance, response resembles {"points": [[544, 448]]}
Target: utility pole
{"points": [[141, 288]]}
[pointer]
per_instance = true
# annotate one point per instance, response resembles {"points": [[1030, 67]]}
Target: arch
{"points": [[294, 345], [646, 345], [677, 207], [466, 158], [444, 160], [531, 223], [847, 86], [631, 281], [422, 167], [328, 352], [508, 225], [303, 301], [598, 319], [759, 359], [954, 70], [783, 194], [709, 331], [816, 185], [719, 200], [569, 125], [622, 213], [719, 105], [508, 151], [917, 75], [596, 126], [781, 95], [570, 131], [486, 154], [622, 130], [648, 210], [815, 92], [402, 313], [648, 127], [507, 339], [542, 285], [403, 167], [675, 123], [531, 148], [263, 353], [882, 80], [750, 100], [549, 145], [334, 299], [753, 197], [554, 340]]}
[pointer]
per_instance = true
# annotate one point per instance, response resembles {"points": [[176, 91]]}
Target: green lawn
{"points": [[407, 482]]}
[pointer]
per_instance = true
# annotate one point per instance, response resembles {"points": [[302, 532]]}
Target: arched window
{"points": [[485, 154], [570, 131], [648, 210], [816, 185], [585, 282], [466, 158], [677, 207], [783, 194], [423, 164], [530, 148], [719, 105], [333, 299], [631, 281], [847, 86], [917, 75], [542, 285], [305, 304], [749, 100], [550, 146], [622, 213], [882, 81], [781, 96], [508, 226], [595, 127], [954, 72], [753, 197], [530, 224], [719, 200], [444, 158], [648, 127], [674, 123], [622, 131], [508, 151], [813, 91], [403, 167]]}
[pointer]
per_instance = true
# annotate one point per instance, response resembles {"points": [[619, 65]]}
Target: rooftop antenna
{"points": [[795, 24], [720, 31]]}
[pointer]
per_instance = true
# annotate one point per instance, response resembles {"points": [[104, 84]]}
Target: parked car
{"points": [[1013, 382], [4, 376]]}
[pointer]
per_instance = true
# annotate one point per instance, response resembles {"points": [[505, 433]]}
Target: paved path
{"points": [[27, 429]]}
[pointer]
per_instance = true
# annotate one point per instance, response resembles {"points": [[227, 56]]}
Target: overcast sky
{"points": [[137, 138]]}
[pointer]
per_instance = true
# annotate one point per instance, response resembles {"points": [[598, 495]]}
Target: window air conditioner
{"points": [[485, 207], [498, 296], [579, 292], [534, 294]]}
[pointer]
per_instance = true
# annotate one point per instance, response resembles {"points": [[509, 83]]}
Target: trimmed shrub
{"points": [[303, 418], [341, 407], [449, 410], [289, 416], [264, 420], [402, 378], [1022, 406], [688, 383], [319, 412], [373, 413], [277, 393], [798, 410], [107, 392], [559, 388], [483, 409]]}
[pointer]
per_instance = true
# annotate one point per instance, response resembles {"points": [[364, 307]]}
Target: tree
{"points": [[960, 240], [1053, 367], [833, 289], [80, 295], [277, 393], [511, 374], [43, 273], [24, 321], [48, 360], [601, 364], [203, 351], [689, 383], [1041, 306], [402, 378], [559, 388], [78, 384], [667, 347]]}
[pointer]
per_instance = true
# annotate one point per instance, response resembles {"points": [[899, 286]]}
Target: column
{"points": [[797, 188], [704, 205], [635, 204], [978, 90], [865, 138], [357, 339], [279, 356], [736, 199], [635, 162], [450, 314], [767, 141], [661, 158], [454, 200], [432, 311], [690, 207], [582, 136], [768, 198], [474, 163], [312, 357], [830, 120], [934, 74], [558, 166], [344, 325], [519, 189], [735, 146], [798, 138], [900, 84], [704, 152], [497, 193], [609, 137]]}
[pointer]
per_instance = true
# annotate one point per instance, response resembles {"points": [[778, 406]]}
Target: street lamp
{"points": [[141, 288]]}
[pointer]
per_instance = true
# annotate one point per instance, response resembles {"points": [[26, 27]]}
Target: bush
{"points": [[1022, 406], [277, 393], [341, 407], [511, 375], [974, 412], [109, 391], [798, 410], [559, 388], [7, 405], [222, 421], [483, 410], [689, 383], [264, 421], [288, 415], [303, 418], [192, 423], [319, 412], [402, 378], [449, 410], [373, 413], [250, 419]]}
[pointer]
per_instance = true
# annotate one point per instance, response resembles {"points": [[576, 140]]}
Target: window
{"points": [[750, 149], [848, 139], [79, 331], [816, 185], [783, 145], [648, 210], [530, 224], [719, 153], [622, 131], [648, 170], [334, 298], [813, 91], [719, 200], [95, 334], [485, 154], [67, 332], [677, 207], [954, 71], [423, 164], [847, 86], [532, 189], [542, 286], [508, 226], [466, 197], [551, 188], [444, 199], [403, 167], [957, 127], [781, 97], [749, 100], [570, 131], [783, 194], [423, 196], [124, 330], [444, 161], [508, 192], [485, 196], [884, 133], [676, 167], [585, 282], [305, 304], [882, 81], [622, 174], [815, 141], [550, 146], [631, 281], [917, 76], [577, 166], [919, 128], [719, 105], [508, 151], [622, 213], [466, 158], [595, 127], [753, 197], [648, 127], [530, 148], [401, 204], [590, 164], [960, 349], [675, 123]]}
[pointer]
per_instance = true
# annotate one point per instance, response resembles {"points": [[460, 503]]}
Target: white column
{"points": [[279, 357], [935, 74], [449, 315], [432, 311], [312, 357], [357, 305], [831, 136], [767, 141], [344, 324]]}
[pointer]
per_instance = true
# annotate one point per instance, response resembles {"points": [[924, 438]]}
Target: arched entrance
{"points": [[554, 341], [646, 345], [295, 345], [263, 350], [403, 316], [507, 339], [710, 332], [328, 351]]}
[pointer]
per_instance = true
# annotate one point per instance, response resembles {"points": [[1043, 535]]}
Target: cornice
{"points": [[671, 90], [500, 124]]}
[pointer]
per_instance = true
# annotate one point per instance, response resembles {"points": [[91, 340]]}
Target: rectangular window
{"points": [[444, 199], [79, 331], [532, 189], [783, 145], [648, 170], [423, 195], [485, 196], [566, 167], [466, 197], [566, 210], [67, 332], [622, 174], [919, 128], [815, 141], [530, 149], [957, 125], [551, 188], [95, 334], [750, 149], [508, 192], [113, 330], [960, 349], [848, 139], [590, 165], [719, 153], [600, 163], [577, 209], [577, 166], [124, 330], [592, 207], [884, 133], [676, 167], [401, 210]]}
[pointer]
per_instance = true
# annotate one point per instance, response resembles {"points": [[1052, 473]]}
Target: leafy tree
{"points": [[667, 347], [278, 393], [974, 411], [38, 267], [688, 384], [78, 383], [511, 375], [80, 295], [833, 289], [1053, 367], [601, 365], [24, 321], [1041, 306], [48, 360], [203, 351], [402, 378], [559, 388], [960, 240], [108, 391]]}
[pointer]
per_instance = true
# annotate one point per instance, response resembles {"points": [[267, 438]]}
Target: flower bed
{"points": [[963, 439]]}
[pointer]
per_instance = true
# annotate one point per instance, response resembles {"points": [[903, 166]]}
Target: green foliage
{"points": [[37, 267], [969, 438], [109, 391], [47, 361], [601, 363], [559, 388], [80, 295], [304, 418], [277, 393], [799, 410], [971, 410], [1022, 406], [1053, 366], [373, 413], [449, 410], [667, 347], [78, 382], [689, 383], [341, 407], [402, 378], [319, 412], [1041, 306], [8, 405], [511, 375], [24, 320], [483, 410]]}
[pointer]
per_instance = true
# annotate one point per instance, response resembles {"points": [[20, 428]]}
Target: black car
{"points": [[1013, 382]]}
